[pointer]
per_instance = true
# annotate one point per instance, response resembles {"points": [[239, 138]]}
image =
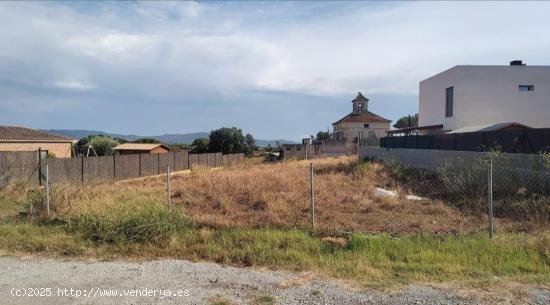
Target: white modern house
{"points": [[476, 98]]}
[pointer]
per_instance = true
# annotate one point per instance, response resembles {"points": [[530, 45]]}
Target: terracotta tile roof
{"points": [[139, 146], [362, 117], [22, 134]]}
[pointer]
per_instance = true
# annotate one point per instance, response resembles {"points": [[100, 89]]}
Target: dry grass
{"points": [[252, 215], [275, 196]]}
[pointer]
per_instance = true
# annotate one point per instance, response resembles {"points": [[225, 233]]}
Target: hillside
{"points": [[187, 138]]}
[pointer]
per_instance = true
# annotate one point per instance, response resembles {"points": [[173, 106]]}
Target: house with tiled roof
{"points": [[14, 139], [141, 148], [360, 124]]}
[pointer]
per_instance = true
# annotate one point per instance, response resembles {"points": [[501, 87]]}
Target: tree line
{"points": [[225, 140]]}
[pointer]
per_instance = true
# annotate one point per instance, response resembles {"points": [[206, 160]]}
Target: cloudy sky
{"points": [[275, 69]]}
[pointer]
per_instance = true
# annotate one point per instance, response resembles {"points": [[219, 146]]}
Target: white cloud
{"points": [[74, 85], [189, 56], [110, 45]]}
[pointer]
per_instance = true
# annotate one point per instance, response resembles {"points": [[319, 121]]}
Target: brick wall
{"points": [[60, 150]]}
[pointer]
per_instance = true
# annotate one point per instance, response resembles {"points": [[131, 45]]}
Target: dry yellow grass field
{"points": [[257, 195], [258, 215]]}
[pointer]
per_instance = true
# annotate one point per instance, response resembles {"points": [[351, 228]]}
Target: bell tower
{"points": [[360, 104]]}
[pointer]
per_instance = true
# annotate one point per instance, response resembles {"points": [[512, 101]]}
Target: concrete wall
{"points": [[486, 95], [432, 159], [60, 150]]}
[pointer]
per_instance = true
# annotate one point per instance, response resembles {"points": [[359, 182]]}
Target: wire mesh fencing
{"points": [[508, 186]]}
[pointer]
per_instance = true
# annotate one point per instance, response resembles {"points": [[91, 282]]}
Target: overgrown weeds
{"points": [[153, 223]]}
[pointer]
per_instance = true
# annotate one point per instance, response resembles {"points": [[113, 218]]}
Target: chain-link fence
{"points": [[510, 186]]}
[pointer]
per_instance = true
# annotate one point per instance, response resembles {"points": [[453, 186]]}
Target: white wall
{"points": [[486, 95]]}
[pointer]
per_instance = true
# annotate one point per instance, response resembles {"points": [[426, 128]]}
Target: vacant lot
{"points": [[258, 215]]}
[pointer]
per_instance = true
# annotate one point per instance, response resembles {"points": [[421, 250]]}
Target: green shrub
{"points": [[153, 223]]}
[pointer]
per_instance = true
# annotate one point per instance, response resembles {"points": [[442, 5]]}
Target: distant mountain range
{"points": [[186, 138]]}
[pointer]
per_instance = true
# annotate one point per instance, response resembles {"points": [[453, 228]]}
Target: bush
{"points": [[153, 223]]}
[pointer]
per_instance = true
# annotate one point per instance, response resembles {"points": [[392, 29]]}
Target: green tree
{"points": [[103, 145], [180, 146], [231, 140], [323, 135], [403, 122], [200, 146], [250, 144], [147, 141]]}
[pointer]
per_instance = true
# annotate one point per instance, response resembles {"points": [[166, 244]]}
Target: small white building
{"points": [[474, 97]]}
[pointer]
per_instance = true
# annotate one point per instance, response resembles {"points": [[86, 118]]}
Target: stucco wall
{"points": [[351, 129], [487, 95], [60, 150]]}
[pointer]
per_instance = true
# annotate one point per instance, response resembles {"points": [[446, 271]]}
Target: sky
{"points": [[279, 70]]}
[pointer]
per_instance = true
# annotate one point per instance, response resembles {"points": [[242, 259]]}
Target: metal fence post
{"points": [[158, 164], [168, 184], [114, 167], [490, 196], [139, 164], [82, 169], [312, 196], [47, 191], [39, 166]]}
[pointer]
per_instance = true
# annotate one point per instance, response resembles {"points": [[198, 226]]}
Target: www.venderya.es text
{"points": [[96, 292]]}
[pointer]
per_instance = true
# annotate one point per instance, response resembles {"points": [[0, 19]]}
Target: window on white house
{"points": [[526, 88], [365, 125], [449, 102]]}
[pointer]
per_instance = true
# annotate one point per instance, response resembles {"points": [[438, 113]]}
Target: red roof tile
{"points": [[362, 117], [22, 134]]}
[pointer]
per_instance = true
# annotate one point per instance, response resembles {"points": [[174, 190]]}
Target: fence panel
{"points": [[149, 164], [203, 160], [99, 168], [64, 170], [211, 159], [524, 140], [219, 159], [164, 160], [127, 166], [24, 166], [193, 160], [181, 160], [225, 160], [20, 166]]}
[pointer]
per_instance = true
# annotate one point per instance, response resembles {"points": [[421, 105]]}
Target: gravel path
{"points": [[196, 283]]}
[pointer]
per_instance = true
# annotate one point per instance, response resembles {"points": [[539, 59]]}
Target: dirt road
{"points": [[41, 281]]}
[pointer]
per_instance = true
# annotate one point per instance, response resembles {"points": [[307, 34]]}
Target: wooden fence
{"points": [[26, 166]]}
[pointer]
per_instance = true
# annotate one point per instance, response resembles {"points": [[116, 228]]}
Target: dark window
{"points": [[298, 148], [526, 88], [366, 126], [449, 102], [287, 148]]}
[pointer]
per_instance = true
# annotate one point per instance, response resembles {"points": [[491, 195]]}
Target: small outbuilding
{"points": [[16, 139], [141, 148]]}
